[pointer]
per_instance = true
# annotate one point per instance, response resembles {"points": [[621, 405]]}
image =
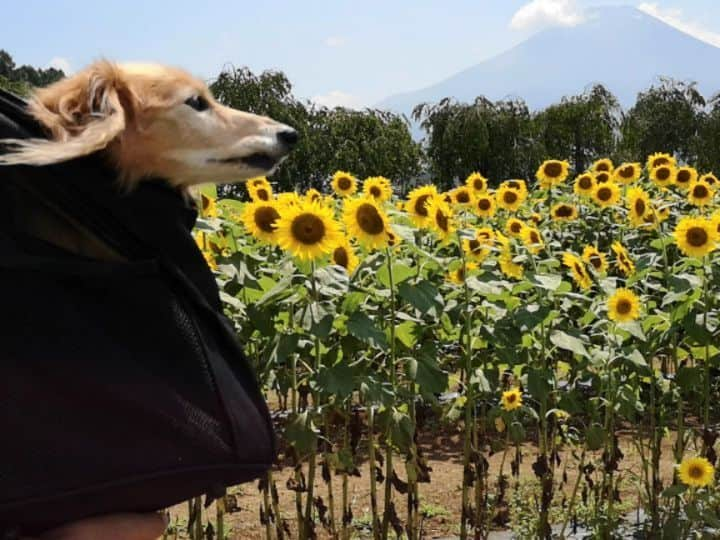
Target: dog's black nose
{"points": [[289, 137]]}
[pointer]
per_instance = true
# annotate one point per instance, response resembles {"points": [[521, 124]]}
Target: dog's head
{"points": [[152, 121]]}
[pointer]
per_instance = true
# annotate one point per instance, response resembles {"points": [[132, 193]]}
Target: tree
{"points": [[665, 118], [581, 128], [21, 80]]}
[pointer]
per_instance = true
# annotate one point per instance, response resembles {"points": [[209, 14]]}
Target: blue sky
{"points": [[351, 53]]}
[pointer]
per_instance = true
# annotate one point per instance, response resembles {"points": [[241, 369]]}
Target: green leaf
{"points": [[422, 295], [362, 327], [301, 433], [674, 491], [406, 333], [568, 343], [516, 432], [285, 345], [338, 380], [595, 437], [539, 383], [549, 282], [400, 272]]}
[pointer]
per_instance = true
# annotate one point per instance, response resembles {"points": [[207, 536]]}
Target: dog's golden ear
{"points": [[83, 113]]}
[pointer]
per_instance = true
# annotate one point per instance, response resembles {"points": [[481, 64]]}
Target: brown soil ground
{"points": [[441, 497]]}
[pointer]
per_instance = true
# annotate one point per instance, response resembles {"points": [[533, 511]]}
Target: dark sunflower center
{"points": [[624, 306], [697, 236], [392, 239], [602, 177], [663, 174], [585, 182], [262, 194], [604, 194], [603, 166], [660, 161], [441, 220], [447, 198], [463, 197], [578, 269], [265, 218], [710, 180], [257, 183], [696, 472], [596, 261], [511, 398], [478, 184], [484, 204], [534, 237], [627, 172], [474, 245], [375, 191], [460, 274], [484, 235], [369, 219], [344, 183], [420, 208], [640, 207], [340, 256], [683, 177], [553, 170], [700, 191], [515, 227], [308, 229], [510, 197], [512, 184], [564, 211]]}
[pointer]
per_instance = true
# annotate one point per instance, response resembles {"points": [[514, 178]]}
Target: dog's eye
{"points": [[198, 103]]}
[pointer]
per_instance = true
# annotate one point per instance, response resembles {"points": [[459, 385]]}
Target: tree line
{"points": [[501, 139]]}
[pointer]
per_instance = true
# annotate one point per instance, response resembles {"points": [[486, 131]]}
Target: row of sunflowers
{"points": [[560, 314]]}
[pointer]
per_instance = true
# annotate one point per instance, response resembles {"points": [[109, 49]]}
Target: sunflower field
{"points": [[558, 323]]}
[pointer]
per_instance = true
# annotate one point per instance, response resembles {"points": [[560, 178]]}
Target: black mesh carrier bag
{"points": [[122, 386]]}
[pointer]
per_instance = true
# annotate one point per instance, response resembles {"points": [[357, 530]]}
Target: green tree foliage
{"points": [[497, 139], [22, 79], [581, 128], [364, 143], [665, 118]]}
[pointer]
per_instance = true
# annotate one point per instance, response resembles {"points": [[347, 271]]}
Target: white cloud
{"points": [[337, 98], [674, 17], [61, 63], [544, 13], [335, 41]]}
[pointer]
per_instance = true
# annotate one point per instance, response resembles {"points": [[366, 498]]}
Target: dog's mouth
{"points": [[258, 160]]}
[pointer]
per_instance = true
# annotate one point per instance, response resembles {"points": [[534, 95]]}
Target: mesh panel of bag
{"points": [[122, 386]]}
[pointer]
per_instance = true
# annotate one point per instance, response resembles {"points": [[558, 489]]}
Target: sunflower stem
{"points": [[391, 369]]}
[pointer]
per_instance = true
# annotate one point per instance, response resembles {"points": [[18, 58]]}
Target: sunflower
{"points": [[584, 184], [462, 196], [511, 399], [508, 267], [208, 206], [517, 185], [260, 219], [627, 173], [710, 179], [604, 165], [417, 204], [508, 198], [478, 248], [259, 189], [602, 177], [595, 258], [659, 159], [366, 221], [458, 275], [289, 198], [696, 472], [715, 220], [344, 255], [484, 205], [552, 172], [210, 260], [662, 176], [623, 306], [532, 238], [514, 227], [344, 183], [696, 237], [638, 204], [308, 231], [314, 196], [377, 188], [476, 183], [607, 194], [564, 212], [685, 177], [579, 272], [392, 238], [441, 218], [700, 193], [623, 261]]}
